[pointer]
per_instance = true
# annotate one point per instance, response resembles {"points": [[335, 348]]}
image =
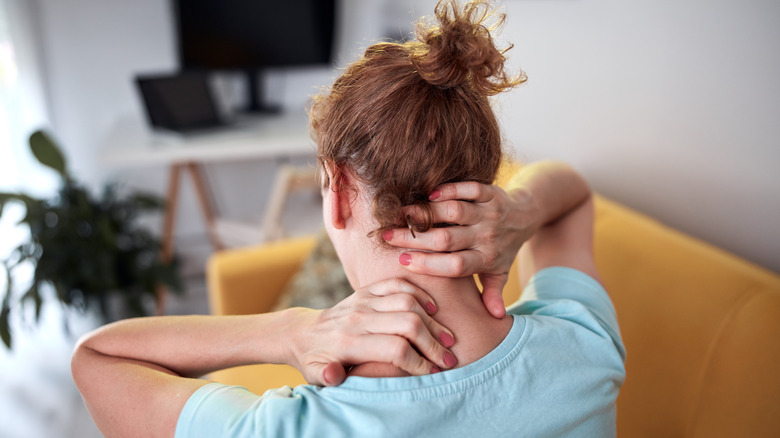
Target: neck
{"points": [[458, 301], [460, 309]]}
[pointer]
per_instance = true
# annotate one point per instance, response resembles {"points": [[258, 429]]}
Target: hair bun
{"points": [[459, 50]]}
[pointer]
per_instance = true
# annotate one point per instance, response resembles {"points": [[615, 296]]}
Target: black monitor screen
{"points": [[253, 34]]}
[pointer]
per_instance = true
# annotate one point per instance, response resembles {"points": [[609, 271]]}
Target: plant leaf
{"points": [[147, 201], [34, 294], [5, 329], [47, 152], [27, 200], [5, 309]]}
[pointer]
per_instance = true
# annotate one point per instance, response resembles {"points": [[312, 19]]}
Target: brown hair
{"points": [[408, 117]]}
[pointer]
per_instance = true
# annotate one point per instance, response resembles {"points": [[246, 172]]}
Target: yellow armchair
{"points": [[701, 326]]}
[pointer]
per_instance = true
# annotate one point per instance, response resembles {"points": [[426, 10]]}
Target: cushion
{"points": [[320, 282]]}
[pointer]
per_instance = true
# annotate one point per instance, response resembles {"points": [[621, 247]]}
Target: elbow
{"points": [[77, 363], [81, 360]]}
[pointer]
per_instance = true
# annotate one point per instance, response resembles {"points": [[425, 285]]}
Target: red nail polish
{"points": [[435, 195], [405, 259], [435, 369], [387, 235], [446, 339], [430, 308], [450, 360]]}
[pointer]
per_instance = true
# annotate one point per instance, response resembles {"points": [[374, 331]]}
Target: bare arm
{"points": [[494, 225], [567, 241], [130, 373], [136, 375]]}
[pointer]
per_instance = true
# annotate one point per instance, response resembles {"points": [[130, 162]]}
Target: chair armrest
{"points": [[249, 280]]}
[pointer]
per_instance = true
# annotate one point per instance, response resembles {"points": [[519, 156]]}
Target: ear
{"points": [[339, 191]]}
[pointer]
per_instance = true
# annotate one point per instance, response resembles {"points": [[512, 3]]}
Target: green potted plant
{"points": [[86, 249]]}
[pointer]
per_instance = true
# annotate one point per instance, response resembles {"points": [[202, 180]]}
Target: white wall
{"points": [[669, 107]]}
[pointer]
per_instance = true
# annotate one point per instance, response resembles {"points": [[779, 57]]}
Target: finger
{"points": [[402, 288], [326, 374], [391, 286], [399, 303], [452, 265], [404, 303], [447, 212], [436, 239], [395, 350], [492, 298], [411, 327], [467, 190], [333, 374]]}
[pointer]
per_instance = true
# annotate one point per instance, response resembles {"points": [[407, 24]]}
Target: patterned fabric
{"points": [[321, 281]]}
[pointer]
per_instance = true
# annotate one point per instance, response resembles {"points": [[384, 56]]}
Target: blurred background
{"points": [[669, 107]]}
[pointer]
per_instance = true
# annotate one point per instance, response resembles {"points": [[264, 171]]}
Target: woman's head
{"points": [[408, 117]]}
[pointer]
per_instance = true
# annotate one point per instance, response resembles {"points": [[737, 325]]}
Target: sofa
{"points": [[701, 326]]}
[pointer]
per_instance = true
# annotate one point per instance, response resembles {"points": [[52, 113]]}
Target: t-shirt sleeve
{"points": [[217, 410], [562, 293]]}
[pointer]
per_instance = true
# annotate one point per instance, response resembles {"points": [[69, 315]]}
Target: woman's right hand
{"points": [[389, 322]]}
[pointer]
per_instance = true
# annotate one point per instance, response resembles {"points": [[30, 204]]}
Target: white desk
{"points": [[132, 143]]}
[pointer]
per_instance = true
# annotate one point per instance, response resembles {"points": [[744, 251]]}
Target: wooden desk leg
{"points": [[169, 223], [205, 204]]}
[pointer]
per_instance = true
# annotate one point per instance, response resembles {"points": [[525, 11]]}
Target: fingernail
{"points": [[435, 195], [430, 307], [405, 259], [435, 369], [388, 235], [446, 339], [450, 360]]}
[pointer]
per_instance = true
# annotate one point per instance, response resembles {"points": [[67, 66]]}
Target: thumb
{"points": [[333, 373], [492, 286]]}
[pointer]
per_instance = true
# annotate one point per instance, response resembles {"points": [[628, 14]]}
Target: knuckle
{"points": [[398, 283], [397, 349], [410, 324], [407, 302], [492, 215], [475, 189], [354, 319], [453, 211], [490, 258], [492, 234], [449, 191], [416, 324], [442, 240], [458, 266]]}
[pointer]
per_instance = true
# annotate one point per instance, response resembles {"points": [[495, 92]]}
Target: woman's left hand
{"points": [[386, 322], [491, 227]]}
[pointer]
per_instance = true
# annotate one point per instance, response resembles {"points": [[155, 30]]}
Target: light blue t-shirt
{"points": [[556, 374]]}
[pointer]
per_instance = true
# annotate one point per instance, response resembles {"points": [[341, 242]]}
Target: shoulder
{"points": [[574, 298]]}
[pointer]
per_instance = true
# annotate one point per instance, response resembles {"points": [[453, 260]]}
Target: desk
{"points": [[131, 143]]}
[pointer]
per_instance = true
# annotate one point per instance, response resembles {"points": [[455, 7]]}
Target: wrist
{"points": [[529, 212], [296, 324]]}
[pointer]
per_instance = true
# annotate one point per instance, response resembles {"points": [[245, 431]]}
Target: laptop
{"points": [[182, 102]]}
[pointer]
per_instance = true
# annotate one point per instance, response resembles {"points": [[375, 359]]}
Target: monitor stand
{"points": [[256, 102]]}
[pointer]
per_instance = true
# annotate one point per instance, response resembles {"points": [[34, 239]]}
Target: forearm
{"points": [[554, 188], [191, 346]]}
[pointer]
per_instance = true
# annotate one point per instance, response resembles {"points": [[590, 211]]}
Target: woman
{"points": [[407, 139]]}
